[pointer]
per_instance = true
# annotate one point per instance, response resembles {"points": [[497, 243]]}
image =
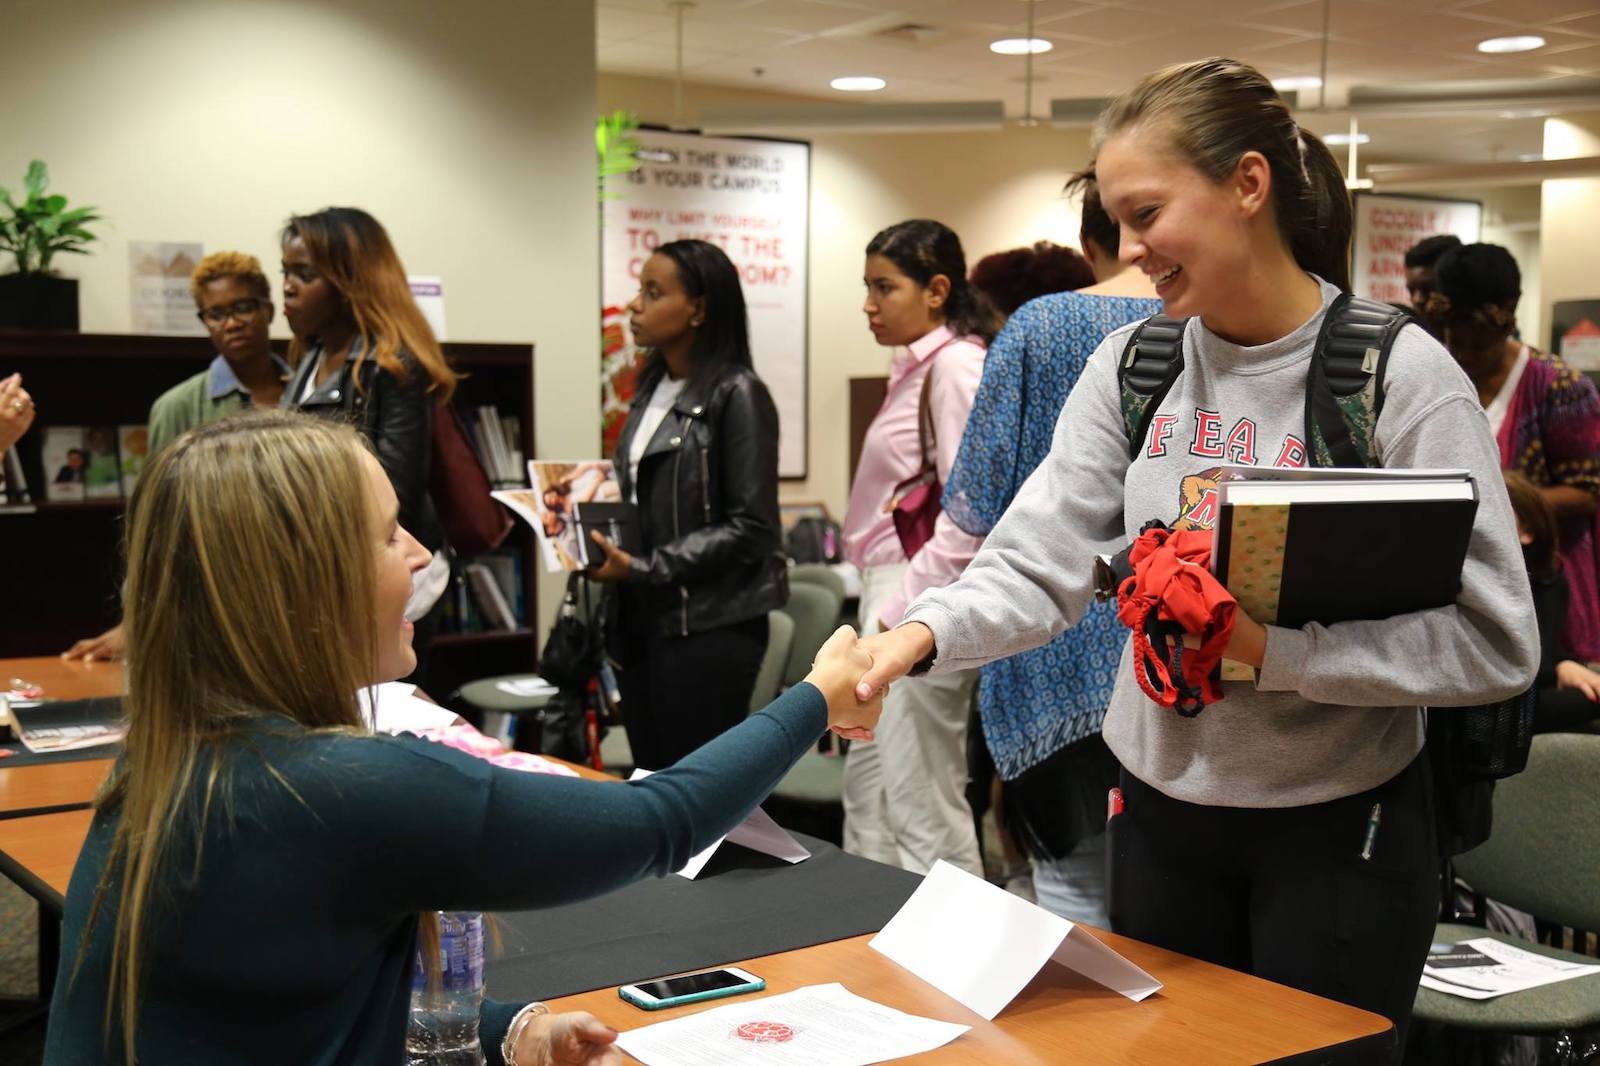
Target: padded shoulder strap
{"points": [[1344, 384], [1151, 362]]}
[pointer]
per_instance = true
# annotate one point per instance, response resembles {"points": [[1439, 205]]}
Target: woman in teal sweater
{"points": [[260, 868]]}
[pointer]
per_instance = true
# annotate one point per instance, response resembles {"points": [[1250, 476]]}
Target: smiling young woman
{"points": [[260, 867], [1286, 831]]}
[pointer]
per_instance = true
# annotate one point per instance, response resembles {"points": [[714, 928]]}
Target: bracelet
{"points": [[519, 1022]]}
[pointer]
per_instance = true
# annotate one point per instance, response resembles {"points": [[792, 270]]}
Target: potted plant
{"points": [[34, 232]]}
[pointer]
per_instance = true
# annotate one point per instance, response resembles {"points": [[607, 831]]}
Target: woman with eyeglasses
{"points": [[233, 300], [363, 354]]}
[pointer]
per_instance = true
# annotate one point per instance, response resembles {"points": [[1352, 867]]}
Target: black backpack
{"points": [[814, 539], [1469, 748]]}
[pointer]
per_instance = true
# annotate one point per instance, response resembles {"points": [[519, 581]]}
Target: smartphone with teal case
{"points": [[666, 992]]}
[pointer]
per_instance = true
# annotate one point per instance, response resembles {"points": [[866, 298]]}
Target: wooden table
{"points": [[1204, 1015], [45, 788], [62, 680]]}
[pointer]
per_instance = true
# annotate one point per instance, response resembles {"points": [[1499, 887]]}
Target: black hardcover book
{"points": [[1333, 550], [617, 522]]}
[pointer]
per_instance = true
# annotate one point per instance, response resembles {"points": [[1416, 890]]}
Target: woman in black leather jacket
{"points": [[699, 456], [363, 353]]}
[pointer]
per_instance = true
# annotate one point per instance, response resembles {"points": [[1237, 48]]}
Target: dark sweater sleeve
{"points": [[437, 829], [1550, 599]]}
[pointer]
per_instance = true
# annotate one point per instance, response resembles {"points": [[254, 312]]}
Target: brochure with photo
{"points": [[557, 487], [102, 478], [65, 461], [133, 448]]}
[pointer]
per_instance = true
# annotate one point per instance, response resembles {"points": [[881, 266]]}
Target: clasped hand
{"points": [[840, 664]]}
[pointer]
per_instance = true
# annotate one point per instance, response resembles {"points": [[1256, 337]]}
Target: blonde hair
{"points": [[220, 265], [352, 251], [247, 597]]}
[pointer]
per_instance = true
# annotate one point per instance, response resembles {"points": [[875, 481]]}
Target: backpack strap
{"points": [[1344, 385], [1151, 362]]}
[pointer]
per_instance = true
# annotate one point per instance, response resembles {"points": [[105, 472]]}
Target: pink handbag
{"points": [[915, 503]]}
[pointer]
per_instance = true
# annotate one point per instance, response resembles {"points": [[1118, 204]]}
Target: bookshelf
{"points": [[62, 560]]}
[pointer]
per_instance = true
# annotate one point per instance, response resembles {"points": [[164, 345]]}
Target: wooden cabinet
{"points": [[60, 563]]}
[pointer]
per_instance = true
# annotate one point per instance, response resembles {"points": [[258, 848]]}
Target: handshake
{"points": [[854, 673]]}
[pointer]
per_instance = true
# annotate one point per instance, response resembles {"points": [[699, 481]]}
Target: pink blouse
{"points": [[891, 455]]}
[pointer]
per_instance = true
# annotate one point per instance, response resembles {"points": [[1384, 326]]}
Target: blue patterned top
{"points": [[1036, 703]]}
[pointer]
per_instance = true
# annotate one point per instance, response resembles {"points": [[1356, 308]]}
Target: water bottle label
{"points": [[461, 945]]}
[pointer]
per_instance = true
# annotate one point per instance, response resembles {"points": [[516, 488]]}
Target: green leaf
{"points": [[77, 215], [55, 204], [38, 177]]}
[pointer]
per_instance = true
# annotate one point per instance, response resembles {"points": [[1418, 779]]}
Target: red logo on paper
{"points": [[765, 1032]]}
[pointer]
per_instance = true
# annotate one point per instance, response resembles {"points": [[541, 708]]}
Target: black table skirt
{"points": [[744, 904]]}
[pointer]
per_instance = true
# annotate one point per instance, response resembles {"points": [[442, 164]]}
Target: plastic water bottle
{"points": [[443, 1030]]}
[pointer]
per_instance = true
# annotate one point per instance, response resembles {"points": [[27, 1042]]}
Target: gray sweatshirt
{"points": [[1335, 708]]}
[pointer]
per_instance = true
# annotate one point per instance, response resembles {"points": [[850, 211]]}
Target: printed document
{"points": [[1485, 968], [820, 1025]]}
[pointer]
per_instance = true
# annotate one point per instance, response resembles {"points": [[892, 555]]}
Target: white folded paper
{"points": [[980, 945], [400, 711], [757, 832], [820, 1025]]}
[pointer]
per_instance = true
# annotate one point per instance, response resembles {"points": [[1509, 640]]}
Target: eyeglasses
{"points": [[241, 309]]}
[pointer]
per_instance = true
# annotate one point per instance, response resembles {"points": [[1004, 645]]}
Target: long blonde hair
{"points": [[352, 251], [248, 595]]}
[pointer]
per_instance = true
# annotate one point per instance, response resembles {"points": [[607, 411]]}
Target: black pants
{"points": [[679, 692], [1286, 893]]}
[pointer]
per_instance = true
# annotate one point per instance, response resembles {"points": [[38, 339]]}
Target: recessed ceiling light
{"points": [[1020, 46], [1499, 45], [1296, 83], [858, 83], [1338, 139], [1531, 157]]}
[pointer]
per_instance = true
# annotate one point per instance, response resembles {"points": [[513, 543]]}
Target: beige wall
{"points": [[1569, 222], [997, 190], [469, 136]]}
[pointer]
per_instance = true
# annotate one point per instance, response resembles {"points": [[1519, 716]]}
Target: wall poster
{"points": [[1387, 225], [751, 198]]}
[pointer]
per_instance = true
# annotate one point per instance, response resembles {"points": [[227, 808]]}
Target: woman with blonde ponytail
{"points": [[255, 880], [1288, 829]]}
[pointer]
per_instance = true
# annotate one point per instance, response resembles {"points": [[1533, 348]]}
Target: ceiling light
{"points": [[1500, 45], [1297, 83], [1020, 46], [858, 83], [1531, 157], [1338, 139]]}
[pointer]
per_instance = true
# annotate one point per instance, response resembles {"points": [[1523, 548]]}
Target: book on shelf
{"points": [[67, 725], [102, 477], [65, 459], [1333, 545], [133, 448], [490, 600], [507, 570]]}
